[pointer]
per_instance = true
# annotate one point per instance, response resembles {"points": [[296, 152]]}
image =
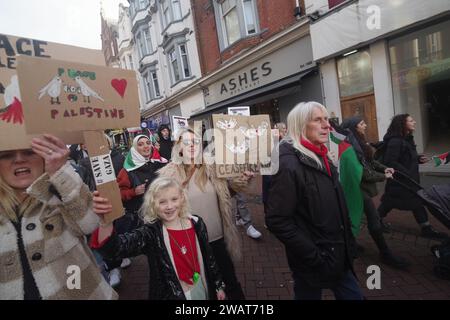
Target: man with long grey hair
{"points": [[306, 209]]}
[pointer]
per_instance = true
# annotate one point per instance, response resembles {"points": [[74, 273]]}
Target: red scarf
{"points": [[321, 151]]}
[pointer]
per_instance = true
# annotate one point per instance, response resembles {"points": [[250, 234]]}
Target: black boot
{"points": [[429, 232]]}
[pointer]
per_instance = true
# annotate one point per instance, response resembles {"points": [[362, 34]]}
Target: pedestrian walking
{"points": [[244, 217], [307, 212], [45, 215], [138, 171], [373, 172], [164, 139], [401, 154], [181, 262], [209, 197]]}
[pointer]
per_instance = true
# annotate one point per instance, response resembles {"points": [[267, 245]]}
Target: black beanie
{"points": [[351, 123]]}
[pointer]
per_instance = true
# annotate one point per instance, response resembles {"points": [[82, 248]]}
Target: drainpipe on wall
{"points": [[197, 39]]}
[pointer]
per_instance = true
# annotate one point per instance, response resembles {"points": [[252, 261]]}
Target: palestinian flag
{"points": [[350, 175], [441, 159]]}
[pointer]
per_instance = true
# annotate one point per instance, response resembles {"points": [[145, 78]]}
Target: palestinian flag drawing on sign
{"points": [[350, 175], [441, 159]]}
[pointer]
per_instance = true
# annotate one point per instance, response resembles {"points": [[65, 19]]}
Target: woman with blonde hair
{"points": [[181, 262], [45, 213], [307, 212], [209, 197]]}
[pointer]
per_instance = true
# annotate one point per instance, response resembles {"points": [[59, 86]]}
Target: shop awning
{"points": [[265, 90]]}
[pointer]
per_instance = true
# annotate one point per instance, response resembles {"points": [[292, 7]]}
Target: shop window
{"points": [[236, 19], [420, 71], [355, 74]]}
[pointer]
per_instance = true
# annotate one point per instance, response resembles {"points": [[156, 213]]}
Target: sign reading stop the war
{"points": [[12, 121], [60, 96]]}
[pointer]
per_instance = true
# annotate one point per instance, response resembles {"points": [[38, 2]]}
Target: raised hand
{"points": [[53, 150]]}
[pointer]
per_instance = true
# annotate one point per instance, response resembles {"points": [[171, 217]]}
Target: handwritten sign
{"points": [[12, 122], [71, 96], [242, 143], [102, 169]]}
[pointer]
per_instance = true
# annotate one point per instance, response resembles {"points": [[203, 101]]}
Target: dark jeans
{"points": [[346, 289], [233, 288], [420, 214]]}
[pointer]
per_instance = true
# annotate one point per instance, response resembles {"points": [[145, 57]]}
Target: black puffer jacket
{"points": [[163, 281], [401, 154], [306, 210]]}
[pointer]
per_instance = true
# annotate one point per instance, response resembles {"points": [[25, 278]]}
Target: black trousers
{"points": [[233, 288], [387, 204]]}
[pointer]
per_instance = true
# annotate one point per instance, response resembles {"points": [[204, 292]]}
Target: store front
{"points": [[420, 70], [271, 85], [156, 120]]}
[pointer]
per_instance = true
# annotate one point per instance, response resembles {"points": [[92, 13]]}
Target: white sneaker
{"points": [[114, 277], [125, 263], [253, 233]]}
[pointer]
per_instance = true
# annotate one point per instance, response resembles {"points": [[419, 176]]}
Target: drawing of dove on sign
{"points": [[86, 91], [53, 89], [226, 124], [13, 106]]}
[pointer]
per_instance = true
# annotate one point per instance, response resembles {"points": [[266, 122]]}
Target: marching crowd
{"points": [[180, 214]]}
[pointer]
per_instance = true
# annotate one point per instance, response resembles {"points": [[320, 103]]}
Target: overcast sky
{"points": [[74, 22]]}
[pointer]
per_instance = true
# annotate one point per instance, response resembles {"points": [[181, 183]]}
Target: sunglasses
{"points": [[196, 141]]}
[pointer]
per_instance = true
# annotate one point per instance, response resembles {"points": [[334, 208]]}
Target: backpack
{"points": [[380, 149], [442, 266]]}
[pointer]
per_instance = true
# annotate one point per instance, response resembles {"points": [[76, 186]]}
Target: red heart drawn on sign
{"points": [[119, 85]]}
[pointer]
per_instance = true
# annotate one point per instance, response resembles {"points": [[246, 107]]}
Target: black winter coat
{"points": [[306, 210], [165, 148], [163, 280], [401, 154]]}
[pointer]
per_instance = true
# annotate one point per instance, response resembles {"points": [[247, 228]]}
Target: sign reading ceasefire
{"points": [[69, 96]]}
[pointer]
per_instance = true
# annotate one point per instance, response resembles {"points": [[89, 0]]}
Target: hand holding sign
{"points": [[140, 189], [53, 150]]}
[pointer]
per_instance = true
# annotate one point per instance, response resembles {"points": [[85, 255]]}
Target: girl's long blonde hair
{"points": [[201, 178], [10, 206], [149, 209]]}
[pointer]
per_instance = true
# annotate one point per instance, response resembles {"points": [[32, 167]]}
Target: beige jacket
{"points": [[55, 244]]}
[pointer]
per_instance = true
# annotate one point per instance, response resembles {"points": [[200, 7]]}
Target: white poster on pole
{"points": [[239, 111], [177, 124]]}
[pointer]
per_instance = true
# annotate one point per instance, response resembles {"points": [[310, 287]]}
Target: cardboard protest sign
{"points": [[13, 134], [178, 123], [70, 96], [103, 170], [242, 111], [242, 143]]}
